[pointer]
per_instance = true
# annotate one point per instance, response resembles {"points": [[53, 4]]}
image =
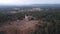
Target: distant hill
{"points": [[32, 6], [8, 8], [43, 6]]}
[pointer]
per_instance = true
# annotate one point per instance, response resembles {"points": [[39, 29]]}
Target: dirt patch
{"points": [[19, 27]]}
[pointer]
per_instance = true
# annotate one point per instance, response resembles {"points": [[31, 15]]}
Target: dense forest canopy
{"points": [[49, 20], [48, 14]]}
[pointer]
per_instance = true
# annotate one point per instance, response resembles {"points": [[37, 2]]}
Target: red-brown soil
{"points": [[19, 27]]}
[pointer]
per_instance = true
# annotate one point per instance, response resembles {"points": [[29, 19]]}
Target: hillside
{"points": [[48, 20], [19, 27]]}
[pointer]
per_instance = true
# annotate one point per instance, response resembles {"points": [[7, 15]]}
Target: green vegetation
{"points": [[49, 20]]}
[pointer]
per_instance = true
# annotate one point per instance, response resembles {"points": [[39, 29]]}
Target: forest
{"points": [[49, 20]]}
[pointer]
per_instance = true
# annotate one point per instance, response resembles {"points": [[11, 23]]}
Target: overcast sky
{"points": [[26, 2]]}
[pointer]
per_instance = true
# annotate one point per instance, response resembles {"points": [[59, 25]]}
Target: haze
{"points": [[26, 2]]}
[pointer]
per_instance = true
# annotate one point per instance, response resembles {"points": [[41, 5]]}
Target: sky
{"points": [[26, 2]]}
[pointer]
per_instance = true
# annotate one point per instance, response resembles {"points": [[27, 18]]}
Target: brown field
{"points": [[19, 27]]}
